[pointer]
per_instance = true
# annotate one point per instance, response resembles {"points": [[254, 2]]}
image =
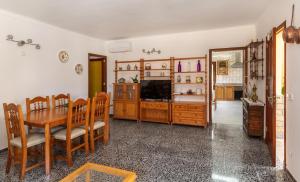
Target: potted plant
{"points": [[135, 79]]}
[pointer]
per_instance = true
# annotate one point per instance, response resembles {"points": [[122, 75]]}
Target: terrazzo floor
{"points": [[159, 152]]}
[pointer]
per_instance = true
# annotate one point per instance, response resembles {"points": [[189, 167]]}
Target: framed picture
{"points": [[222, 67], [199, 79]]}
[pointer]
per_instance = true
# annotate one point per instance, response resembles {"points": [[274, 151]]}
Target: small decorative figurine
{"points": [[188, 79], [148, 74], [148, 66], [190, 92], [121, 80], [164, 66], [135, 67], [120, 68], [254, 97], [178, 79], [128, 67]]}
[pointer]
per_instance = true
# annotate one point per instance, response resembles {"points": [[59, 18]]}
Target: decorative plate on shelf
{"points": [[79, 69], [63, 56]]}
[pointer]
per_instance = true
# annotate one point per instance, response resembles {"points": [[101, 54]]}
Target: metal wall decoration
{"points": [[291, 34], [21, 43], [79, 69], [152, 51]]}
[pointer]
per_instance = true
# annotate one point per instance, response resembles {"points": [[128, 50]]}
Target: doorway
{"points": [[226, 85], [275, 97], [97, 74]]}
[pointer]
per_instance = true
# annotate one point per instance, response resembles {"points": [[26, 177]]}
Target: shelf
{"points": [[123, 62], [188, 83], [157, 60], [125, 70], [193, 95], [255, 44], [157, 76], [190, 72], [157, 69]]}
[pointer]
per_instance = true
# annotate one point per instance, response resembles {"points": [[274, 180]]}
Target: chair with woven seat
{"points": [[37, 104], [18, 140], [99, 119], [60, 100], [78, 117]]}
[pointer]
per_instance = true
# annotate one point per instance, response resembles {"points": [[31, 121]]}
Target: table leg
{"points": [[47, 149]]}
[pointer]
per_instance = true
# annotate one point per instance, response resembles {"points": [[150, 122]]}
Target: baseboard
{"points": [[291, 176]]}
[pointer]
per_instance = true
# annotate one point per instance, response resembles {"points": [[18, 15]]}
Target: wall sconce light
{"points": [[21, 43], [291, 34], [153, 50]]}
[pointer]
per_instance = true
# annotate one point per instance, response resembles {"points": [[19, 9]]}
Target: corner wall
{"points": [[27, 72], [275, 14]]}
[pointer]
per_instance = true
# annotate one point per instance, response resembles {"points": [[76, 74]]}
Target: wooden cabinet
{"points": [[229, 93], [155, 111], [224, 92], [189, 113], [219, 92], [126, 101], [253, 118]]}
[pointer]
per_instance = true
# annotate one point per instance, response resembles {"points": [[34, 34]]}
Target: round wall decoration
{"points": [[63, 56], [79, 69]]}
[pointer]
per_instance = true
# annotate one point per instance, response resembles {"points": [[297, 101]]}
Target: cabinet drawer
{"points": [[183, 107], [150, 105], [194, 115]]}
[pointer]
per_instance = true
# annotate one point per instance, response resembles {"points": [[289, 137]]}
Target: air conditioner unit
{"points": [[120, 46]]}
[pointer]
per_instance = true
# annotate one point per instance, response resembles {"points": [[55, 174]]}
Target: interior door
{"points": [[97, 76], [271, 95]]}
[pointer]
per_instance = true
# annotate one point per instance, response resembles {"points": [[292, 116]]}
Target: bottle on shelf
{"points": [[189, 67], [179, 67], [198, 66]]}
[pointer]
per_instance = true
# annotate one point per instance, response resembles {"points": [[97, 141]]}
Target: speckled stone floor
{"points": [[158, 152]]}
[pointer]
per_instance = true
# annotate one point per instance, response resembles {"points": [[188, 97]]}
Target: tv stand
{"points": [[155, 111]]}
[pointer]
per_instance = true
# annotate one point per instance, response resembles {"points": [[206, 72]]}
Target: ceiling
{"points": [[117, 19]]}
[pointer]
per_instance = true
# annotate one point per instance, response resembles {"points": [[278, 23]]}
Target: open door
{"points": [[97, 74], [271, 95]]}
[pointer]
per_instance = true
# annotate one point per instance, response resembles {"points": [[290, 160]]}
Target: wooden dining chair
{"points": [[60, 100], [18, 140], [99, 119], [37, 104], [78, 116]]}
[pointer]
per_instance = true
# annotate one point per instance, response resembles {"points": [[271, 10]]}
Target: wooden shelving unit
{"points": [[174, 111], [256, 59]]}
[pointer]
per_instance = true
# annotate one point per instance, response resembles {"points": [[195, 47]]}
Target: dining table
{"points": [[47, 119]]}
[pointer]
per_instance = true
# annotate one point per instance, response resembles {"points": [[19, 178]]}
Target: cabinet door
{"points": [[119, 109], [229, 93], [119, 92], [219, 93], [131, 110], [131, 92]]}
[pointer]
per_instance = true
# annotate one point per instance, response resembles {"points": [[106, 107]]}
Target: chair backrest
{"points": [[37, 104], [14, 122], [60, 100], [100, 108], [78, 114]]}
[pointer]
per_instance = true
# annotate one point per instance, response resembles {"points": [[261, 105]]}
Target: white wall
{"points": [[182, 45], [27, 72], [277, 12]]}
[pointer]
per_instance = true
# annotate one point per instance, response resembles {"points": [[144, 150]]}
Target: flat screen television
{"points": [[156, 89]]}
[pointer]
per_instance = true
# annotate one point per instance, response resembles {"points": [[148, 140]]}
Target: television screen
{"points": [[156, 89]]}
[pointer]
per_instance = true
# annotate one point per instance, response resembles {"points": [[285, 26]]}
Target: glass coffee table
{"points": [[90, 172]]}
